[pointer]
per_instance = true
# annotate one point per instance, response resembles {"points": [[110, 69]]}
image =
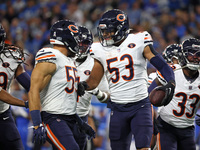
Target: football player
{"points": [[122, 56], [53, 88], [84, 65], [176, 120], [11, 60], [170, 54]]}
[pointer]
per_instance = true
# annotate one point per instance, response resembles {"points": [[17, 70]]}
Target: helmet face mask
{"points": [[190, 54], [170, 53], [113, 27], [65, 32], [85, 42]]}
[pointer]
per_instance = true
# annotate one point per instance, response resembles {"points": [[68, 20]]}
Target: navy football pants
{"points": [[61, 131], [137, 121], [172, 138], [9, 136]]}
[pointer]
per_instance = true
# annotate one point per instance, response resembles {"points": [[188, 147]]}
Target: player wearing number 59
{"points": [[53, 89], [11, 62], [122, 56]]}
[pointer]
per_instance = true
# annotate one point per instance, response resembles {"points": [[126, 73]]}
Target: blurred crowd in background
{"points": [[27, 24]]}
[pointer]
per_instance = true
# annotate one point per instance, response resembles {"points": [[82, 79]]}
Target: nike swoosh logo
{"points": [[5, 118]]}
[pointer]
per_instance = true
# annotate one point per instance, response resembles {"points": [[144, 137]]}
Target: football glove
{"points": [[39, 134], [85, 128], [169, 92], [82, 86], [197, 119]]}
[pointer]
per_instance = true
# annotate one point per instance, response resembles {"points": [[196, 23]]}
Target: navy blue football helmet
{"points": [[113, 27], [86, 40], [65, 32], [170, 52], [2, 38], [189, 54]]}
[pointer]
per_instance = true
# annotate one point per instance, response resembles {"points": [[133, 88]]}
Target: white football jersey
{"points": [[180, 112], [59, 96], [84, 70], [151, 77], [125, 67], [7, 72]]}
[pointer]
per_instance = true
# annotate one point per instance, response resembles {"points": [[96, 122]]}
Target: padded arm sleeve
{"points": [[24, 80], [159, 63]]}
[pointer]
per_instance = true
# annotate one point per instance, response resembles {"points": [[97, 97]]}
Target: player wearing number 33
{"points": [[122, 56], [53, 86], [176, 120]]}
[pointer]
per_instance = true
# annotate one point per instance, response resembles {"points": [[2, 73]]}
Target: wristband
{"points": [[100, 95], [36, 117], [105, 98]]}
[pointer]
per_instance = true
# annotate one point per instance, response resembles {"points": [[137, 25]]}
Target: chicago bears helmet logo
{"points": [[121, 17], [73, 28], [5, 64], [131, 45], [87, 72]]}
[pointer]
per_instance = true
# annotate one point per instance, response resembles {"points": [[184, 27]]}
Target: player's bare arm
{"points": [[96, 75], [40, 77], [7, 98], [148, 53]]}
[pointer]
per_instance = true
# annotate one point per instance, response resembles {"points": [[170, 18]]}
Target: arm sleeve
{"points": [[159, 63]]}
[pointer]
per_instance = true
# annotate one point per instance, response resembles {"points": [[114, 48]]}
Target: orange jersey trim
{"points": [[45, 57]]}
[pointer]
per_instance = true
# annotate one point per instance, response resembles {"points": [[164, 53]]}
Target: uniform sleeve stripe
{"points": [[47, 56], [43, 54], [49, 59], [147, 38], [148, 41]]}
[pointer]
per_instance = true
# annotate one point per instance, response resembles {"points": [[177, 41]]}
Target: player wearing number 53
{"points": [[53, 90], [122, 56]]}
